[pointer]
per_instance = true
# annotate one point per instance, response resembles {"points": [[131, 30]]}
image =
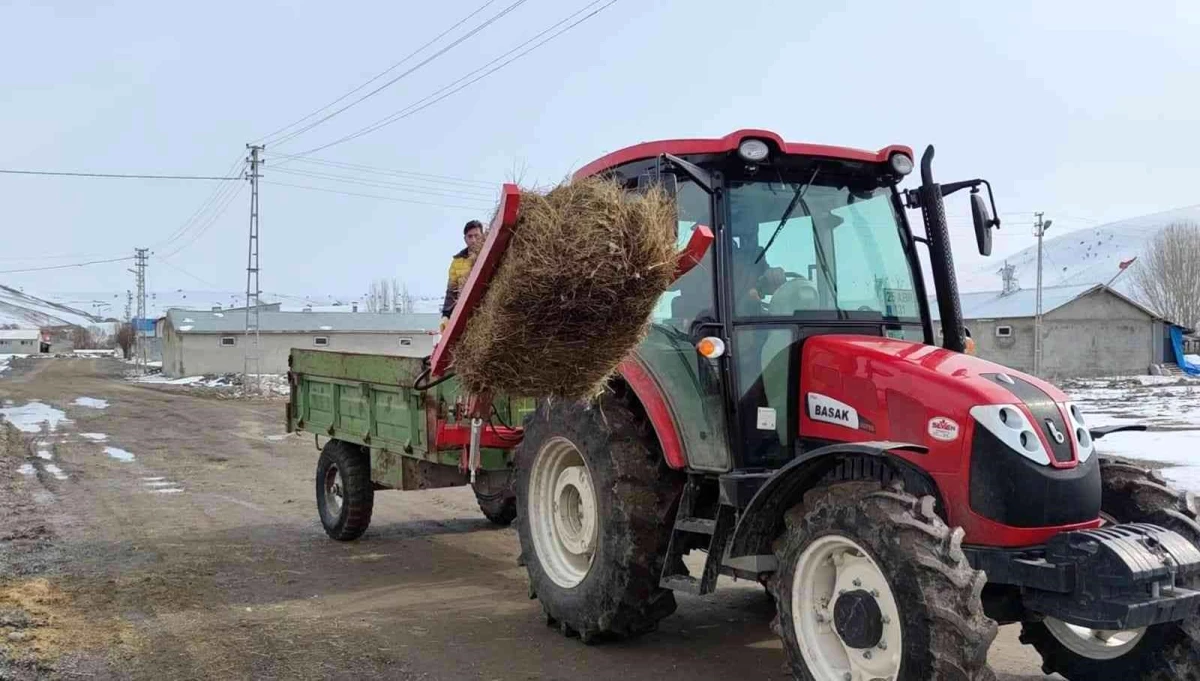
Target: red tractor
{"points": [[792, 415]]}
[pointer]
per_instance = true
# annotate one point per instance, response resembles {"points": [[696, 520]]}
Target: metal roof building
{"points": [[1087, 330], [213, 342]]}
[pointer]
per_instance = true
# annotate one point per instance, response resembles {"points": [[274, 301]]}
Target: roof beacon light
{"points": [[902, 163], [711, 347], [756, 151]]}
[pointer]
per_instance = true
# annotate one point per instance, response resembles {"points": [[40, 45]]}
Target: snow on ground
{"points": [[30, 417], [55, 471], [27, 470], [119, 454], [1169, 406], [91, 402], [94, 437], [224, 384], [5, 359]]}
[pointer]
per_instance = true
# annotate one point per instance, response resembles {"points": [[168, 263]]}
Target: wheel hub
{"points": [[858, 619], [563, 518], [333, 490], [575, 510]]}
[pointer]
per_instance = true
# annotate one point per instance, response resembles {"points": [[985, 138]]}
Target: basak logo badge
{"points": [[829, 410], [942, 428]]}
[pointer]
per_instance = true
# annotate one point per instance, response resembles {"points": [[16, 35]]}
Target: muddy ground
{"points": [[108, 572]]}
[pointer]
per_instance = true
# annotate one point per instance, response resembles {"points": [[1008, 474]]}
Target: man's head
{"points": [[473, 235]]}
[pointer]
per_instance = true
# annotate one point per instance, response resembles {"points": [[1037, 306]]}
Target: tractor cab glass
{"points": [[807, 253]]}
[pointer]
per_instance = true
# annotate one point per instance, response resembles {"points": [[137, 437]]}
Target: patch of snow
{"points": [[29, 418], [153, 479], [167, 490], [218, 315], [94, 437], [1186, 477], [189, 320], [186, 327], [159, 483], [95, 353], [45, 455], [276, 438], [159, 379], [8, 403], [27, 470], [55, 471], [92, 402], [326, 328], [4, 359], [119, 454], [1177, 447]]}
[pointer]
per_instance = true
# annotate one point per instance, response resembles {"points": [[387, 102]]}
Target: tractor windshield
{"points": [[839, 250]]}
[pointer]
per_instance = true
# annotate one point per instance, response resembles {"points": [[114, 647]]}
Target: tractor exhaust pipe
{"points": [[933, 212]]}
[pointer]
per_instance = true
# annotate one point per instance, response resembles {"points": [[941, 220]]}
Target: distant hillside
{"points": [[1086, 256], [28, 311]]}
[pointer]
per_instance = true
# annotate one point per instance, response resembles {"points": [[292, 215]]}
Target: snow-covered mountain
{"points": [[1085, 256], [28, 311]]}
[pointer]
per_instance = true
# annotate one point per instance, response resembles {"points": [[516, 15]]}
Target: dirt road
{"points": [[183, 544]]}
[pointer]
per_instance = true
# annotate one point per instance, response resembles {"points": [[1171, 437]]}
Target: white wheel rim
{"points": [[563, 521], [1094, 644], [829, 566]]}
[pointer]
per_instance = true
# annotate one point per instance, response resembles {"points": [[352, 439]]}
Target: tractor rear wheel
{"points": [[594, 501], [1131, 494], [873, 585]]}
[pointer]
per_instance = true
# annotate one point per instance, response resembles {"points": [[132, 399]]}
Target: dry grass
{"points": [[574, 293], [49, 624]]}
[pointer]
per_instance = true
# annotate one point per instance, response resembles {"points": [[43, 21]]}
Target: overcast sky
{"points": [[1085, 110]]}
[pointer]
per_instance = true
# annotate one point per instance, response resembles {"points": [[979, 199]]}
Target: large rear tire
{"points": [[345, 495], [1131, 494], [873, 585], [594, 501]]}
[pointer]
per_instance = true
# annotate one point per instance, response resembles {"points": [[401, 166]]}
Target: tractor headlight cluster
{"points": [[902, 163], [1084, 446], [1008, 423]]}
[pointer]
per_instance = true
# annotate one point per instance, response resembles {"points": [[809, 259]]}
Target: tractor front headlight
{"points": [[1008, 423]]}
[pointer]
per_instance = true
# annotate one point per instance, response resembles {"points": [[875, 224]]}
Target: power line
{"points": [[117, 175], [177, 268], [212, 220], [381, 74], [63, 267], [451, 89], [369, 196], [205, 205], [472, 196], [292, 135], [432, 178]]}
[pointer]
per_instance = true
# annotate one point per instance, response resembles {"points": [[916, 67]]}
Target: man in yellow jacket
{"points": [[460, 267]]}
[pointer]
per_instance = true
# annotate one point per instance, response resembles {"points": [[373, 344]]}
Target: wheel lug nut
{"points": [[883, 645], [858, 582], [875, 593], [886, 619], [848, 676], [866, 654]]}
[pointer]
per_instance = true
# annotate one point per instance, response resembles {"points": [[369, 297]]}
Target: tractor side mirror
{"points": [[983, 223]]}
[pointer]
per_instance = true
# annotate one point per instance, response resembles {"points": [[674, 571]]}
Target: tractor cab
{"points": [[810, 240]]}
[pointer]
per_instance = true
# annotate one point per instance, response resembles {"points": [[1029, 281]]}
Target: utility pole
{"points": [[1039, 230], [253, 289], [1009, 275], [139, 258], [128, 305]]}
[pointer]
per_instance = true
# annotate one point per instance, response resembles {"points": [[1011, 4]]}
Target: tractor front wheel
{"points": [[1131, 494], [873, 585], [594, 500]]}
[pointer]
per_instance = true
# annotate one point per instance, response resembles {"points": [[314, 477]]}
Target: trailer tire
{"points": [[594, 517], [345, 495], [1165, 651], [860, 567], [499, 507]]}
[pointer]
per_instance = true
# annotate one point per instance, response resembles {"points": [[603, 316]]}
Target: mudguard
{"points": [[762, 519]]}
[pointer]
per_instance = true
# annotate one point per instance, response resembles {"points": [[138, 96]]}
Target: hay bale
{"points": [[573, 294]]}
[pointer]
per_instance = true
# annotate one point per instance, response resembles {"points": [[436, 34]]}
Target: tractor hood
{"points": [[910, 392]]}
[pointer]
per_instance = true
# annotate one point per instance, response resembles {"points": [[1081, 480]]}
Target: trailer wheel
{"points": [[1165, 651], [594, 518], [345, 495], [498, 507], [873, 585]]}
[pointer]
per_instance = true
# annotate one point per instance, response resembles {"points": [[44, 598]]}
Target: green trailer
{"points": [[384, 430]]}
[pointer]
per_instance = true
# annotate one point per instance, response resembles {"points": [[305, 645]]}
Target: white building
{"points": [[213, 342], [20, 341]]}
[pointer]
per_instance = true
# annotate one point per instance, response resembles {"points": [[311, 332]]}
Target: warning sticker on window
{"points": [[900, 302], [766, 418]]}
